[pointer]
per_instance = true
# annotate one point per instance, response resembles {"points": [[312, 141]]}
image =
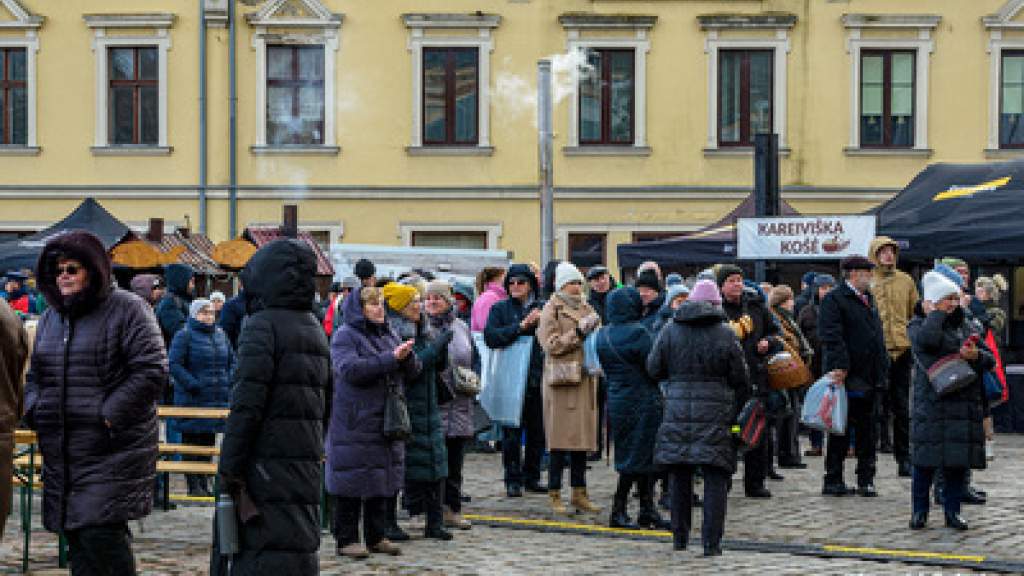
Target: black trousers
{"points": [[425, 497], [518, 471], [860, 421], [347, 511], [899, 405], [602, 407], [577, 461], [757, 461], [453, 483], [101, 550], [787, 432], [716, 490]]}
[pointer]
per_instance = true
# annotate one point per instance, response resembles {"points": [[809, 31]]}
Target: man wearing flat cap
{"points": [[854, 355]]}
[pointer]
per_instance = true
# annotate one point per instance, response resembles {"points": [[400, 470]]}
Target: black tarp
{"points": [[971, 211], [89, 215], [713, 244]]}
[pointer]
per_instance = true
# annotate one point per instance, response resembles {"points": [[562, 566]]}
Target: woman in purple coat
{"points": [[365, 470]]}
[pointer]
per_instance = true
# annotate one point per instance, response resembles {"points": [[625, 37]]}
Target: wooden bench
{"points": [[168, 467]]}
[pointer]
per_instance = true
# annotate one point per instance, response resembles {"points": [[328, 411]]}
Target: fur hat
{"points": [[197, 306], [705, 291], [780, 294], [726, 270], [565, 273], [936, 286], [89, 250], [398, 296]]}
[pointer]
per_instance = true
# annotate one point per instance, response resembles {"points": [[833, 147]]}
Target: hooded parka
{"points": [[202, 363], [98, 366], [702, 367], [273, 440], [896, 295], [945, 432], [634, 401], [172, 310]]}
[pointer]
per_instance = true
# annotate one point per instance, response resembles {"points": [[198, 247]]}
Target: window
{"points": [[887, 99], [13, 97], [295, 95], [745, 94], [1011, 100], [607, 97], [441, 239], [586, 250], [450, 96], [134, 97]]}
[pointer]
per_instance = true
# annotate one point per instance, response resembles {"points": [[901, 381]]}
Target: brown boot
{"points": [[582, 502], [556, 502], [455, 520], [354, 550], [385, 546]]}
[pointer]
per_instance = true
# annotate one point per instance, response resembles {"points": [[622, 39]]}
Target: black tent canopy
{"points": [[89, 215], [971, 211], [710, 245]]}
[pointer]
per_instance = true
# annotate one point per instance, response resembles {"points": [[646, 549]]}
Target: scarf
{"points": [[573, 302], [791, 327]]}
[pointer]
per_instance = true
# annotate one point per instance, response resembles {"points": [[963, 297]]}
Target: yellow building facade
{"points": [[414, 122]]}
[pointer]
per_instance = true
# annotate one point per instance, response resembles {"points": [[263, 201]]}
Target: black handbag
{"points": [[950, 374], [396, 415]]}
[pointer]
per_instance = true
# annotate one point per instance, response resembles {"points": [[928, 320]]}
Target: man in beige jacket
{"points": [[896, 295], [14, 348]]}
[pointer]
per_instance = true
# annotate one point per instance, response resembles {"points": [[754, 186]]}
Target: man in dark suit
{"points": [[854, 355]]}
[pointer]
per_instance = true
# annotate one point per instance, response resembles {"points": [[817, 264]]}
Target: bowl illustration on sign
{"points": [[835, 245]]}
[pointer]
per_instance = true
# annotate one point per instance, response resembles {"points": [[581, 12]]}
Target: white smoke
{"points": [[516, 95]]}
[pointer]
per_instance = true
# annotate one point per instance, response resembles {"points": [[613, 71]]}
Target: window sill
{"points": [[19, 150], [890, 152], [131, 150], [296, 150], [449, 150], [606, 150], [739, 151], [1004, 153]]}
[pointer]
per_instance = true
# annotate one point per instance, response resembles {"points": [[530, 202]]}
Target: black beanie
{"points": [[649, 279], [726, 270], [364, 269]]}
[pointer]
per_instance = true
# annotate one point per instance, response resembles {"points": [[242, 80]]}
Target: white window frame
{"points": [[923, 45], [30, 24], [494, 231], [324, 29], [418, 24], [102, 25], [996, 24], [780, 46], [641, 45]]}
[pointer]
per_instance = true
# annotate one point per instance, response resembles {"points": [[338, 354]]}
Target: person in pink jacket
{"points": [[490, 288]]}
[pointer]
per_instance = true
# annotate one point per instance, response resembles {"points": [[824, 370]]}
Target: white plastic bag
{"points": [[825, 407], [503, 375], [591, 361]]}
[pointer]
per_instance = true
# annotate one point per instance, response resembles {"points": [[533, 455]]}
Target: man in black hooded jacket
{"points": [[508, 320]]}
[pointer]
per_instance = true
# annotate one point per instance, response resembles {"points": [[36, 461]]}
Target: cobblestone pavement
{"points": [[176, 542]]}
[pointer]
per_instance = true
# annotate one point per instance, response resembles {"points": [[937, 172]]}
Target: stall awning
{"points": [[261, 236]]}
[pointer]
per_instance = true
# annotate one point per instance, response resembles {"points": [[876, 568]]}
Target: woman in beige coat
{"points": [[569, 394]]}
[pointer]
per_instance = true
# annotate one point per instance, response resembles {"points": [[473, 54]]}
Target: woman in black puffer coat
{"points": [[273, 442], [702, 367], [945, 433], [98, 367]]}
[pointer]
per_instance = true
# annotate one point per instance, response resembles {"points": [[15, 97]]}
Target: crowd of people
{"points": [[376, 389]]}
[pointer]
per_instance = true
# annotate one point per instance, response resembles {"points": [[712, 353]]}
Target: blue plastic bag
{"points": [[825, 407], [591, 362], [503, 374]]}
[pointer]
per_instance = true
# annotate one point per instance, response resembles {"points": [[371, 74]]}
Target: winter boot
{"points": [[557, 507], [649, 518], [394, 532], [455, 520], [203, 483], [619, 518], [582, 503]]}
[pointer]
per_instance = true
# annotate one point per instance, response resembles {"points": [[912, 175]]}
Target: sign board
{"points": [[804, 237]]}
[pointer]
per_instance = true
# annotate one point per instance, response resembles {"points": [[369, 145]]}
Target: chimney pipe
{"points": [[290, 225], [156, 230]]}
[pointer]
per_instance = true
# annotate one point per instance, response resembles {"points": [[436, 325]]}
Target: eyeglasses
{"points": [[70, 270], [518, 282]]}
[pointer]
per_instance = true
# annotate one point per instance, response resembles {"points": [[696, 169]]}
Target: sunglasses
{"points": [[518, 282], [70, 270]]}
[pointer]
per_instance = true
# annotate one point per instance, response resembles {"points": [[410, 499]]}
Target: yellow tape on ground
{"points": [[183, 498], [903, 553]]}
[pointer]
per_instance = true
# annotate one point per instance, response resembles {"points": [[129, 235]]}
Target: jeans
{"points": [[453, 483], [716, 490], [518, 471], [101, 550], [921, 483], [860, 422], [346, 520], [577, 469]]}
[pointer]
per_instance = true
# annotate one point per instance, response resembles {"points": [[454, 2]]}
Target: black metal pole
{"points": [[767, 197]]}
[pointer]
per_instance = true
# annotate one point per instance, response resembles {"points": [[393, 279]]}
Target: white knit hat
{"points": [[936, 287], [566, 272], [197, 306]]}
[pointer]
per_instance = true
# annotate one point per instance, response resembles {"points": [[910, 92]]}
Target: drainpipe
{"points": [[233, 96], [202, 117], [545, 149]]}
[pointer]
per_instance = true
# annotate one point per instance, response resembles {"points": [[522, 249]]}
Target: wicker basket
{"points": [[786, 371]]}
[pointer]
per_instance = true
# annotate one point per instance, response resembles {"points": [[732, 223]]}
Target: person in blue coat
{"points": [[202, 363], [634, 405]]}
